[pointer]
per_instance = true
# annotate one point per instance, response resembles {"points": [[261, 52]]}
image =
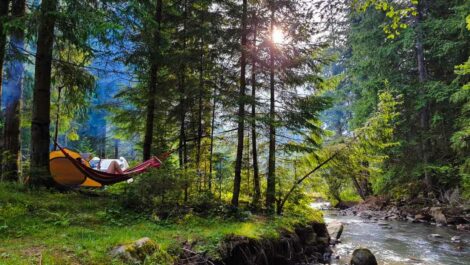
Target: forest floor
{"points": [[43, 227]]}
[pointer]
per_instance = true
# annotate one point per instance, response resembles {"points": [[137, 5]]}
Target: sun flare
{"points": [[278, 36]]}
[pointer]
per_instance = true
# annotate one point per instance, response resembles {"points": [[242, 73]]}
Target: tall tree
{"points": [[241, 107], [42, 95], [254, 54], [4, 6], [149, 126], [271, 180], [424, 113], [14, 88]]}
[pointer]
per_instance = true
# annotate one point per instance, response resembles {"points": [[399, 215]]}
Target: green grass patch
{"points": [[74, 228]]}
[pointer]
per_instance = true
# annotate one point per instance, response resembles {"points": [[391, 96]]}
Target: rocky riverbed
{"points": [[406, 234]]}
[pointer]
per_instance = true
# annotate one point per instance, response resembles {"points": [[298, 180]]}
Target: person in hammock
{"points": [[114, 167]]}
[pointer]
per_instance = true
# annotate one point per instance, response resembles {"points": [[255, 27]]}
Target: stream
{"points": [[398, 242]]}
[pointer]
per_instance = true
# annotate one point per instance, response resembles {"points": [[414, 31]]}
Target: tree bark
{"points": [[271, 180], [214, 105], [424, 113], [14, 86], [116, 148], [200, 106], [42, 97], [56, 131], [241, 110], [152, 90], [4, 4], [256, 181]]}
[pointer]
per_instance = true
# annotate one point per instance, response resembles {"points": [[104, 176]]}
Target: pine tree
{"points": [[14, 88], [42, 93]]}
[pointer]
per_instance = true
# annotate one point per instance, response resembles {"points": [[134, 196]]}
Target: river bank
{"points": [[415, 211]]}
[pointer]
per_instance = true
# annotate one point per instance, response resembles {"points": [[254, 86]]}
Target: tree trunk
{"points": [[271, 180], [4, 4], [42, 96], [56, 131], [424, 113], [200, 106], [116, 148], [183, 151], [14, 86], [256, 181], [152, 90], [241, 110], [214, 105]]}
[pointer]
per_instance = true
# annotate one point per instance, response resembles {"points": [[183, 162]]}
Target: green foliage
{"points": [[370, 59], [81, 229], [359, 158], [397, 14]]}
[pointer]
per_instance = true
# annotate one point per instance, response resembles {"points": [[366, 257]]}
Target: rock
{"points": [[335, 229], [135, 253], [436, 235], [456, 239], [363, 256], [463, 227], [438, 215], [420, 217], [383, 224], [365, 214]]}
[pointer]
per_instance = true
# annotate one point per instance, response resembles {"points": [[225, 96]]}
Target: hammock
{"points": [[68, 171]]}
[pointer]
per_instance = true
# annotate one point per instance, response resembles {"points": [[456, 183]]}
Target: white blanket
{"points": [[103, 164]]}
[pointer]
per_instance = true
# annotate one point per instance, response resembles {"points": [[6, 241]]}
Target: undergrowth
{"points": [[43, 227]]}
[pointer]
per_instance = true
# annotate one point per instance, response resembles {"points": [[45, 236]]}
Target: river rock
{"points": [[436, 235], [335, 229], [383, 223], [363, 256], [438, 215], [421, 218], [456, 239], [463, 227]]}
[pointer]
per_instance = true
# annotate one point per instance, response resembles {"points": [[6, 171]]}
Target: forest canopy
{"points": [[262, 104]]}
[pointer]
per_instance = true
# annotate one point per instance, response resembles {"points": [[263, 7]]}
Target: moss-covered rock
{"points": [[142, 250]]}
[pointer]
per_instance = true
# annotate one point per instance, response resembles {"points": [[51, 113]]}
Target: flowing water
{"points": [[398, 242]]}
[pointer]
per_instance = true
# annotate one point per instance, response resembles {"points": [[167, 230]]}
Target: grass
{"points": [[73, 228]]}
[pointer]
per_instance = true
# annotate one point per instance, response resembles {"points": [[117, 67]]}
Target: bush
{"points": [[155, 189]]}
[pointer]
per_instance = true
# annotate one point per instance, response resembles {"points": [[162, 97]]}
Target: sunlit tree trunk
{"points": [[42, 96], [4, 4], [211, 155], [13, 89], [271, 180], [152, 90], [256, 181], [241, 110]]}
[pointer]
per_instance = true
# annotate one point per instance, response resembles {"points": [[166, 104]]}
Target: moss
{"points": [[72, 228]]}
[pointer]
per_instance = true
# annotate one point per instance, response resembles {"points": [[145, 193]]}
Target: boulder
{"points": [[363, 256], [138, 252], [438, 215], [335, 229]]}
